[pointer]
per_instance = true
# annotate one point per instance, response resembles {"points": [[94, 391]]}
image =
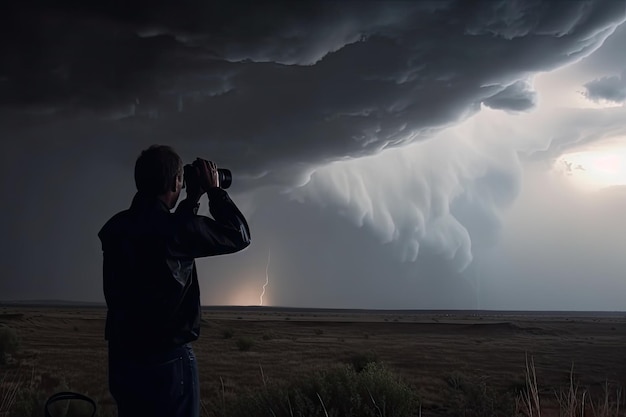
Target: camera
{"points": [[224, 175]]}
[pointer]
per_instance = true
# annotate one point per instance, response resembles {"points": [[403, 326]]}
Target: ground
{"points": [[65, 346]]}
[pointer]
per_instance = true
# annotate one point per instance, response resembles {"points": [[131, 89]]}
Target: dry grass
{"points": [[424, 349], [10, 385], [573, 401]]}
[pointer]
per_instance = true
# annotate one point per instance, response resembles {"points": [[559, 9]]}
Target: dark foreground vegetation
{"points": [[362, 382]]}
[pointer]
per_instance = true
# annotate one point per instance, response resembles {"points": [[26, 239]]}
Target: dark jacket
{"points": [[149, 273]]}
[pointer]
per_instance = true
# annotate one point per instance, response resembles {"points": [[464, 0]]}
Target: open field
{"points": [[65, 344]]}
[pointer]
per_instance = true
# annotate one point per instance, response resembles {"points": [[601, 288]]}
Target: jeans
{"points": [[156, 385]]}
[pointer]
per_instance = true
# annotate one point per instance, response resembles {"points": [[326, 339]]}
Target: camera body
{"points": [[224, 175]]}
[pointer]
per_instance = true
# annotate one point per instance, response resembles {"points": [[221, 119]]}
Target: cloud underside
{"points": [[322, 83], [518, 96]]}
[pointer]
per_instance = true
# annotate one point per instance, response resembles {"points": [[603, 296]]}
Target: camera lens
{"points": [[225, 176]]}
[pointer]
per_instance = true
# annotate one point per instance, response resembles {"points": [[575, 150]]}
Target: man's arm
{"points": [[200, 236], [224, 211]]}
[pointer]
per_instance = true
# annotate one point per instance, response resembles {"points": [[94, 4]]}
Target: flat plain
{"points": [[65, 347]]}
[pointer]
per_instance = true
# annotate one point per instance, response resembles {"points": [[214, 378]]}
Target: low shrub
{"points": [[361, 360], [374, 392], [9, 342], [473, 397]]}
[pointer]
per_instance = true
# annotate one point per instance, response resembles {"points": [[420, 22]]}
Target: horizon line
{"points": [[80, 303]]}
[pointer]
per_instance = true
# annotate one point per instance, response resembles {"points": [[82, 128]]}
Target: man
{"points": [[151, 284]]}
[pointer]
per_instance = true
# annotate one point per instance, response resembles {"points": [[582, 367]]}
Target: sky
{"points": [[388, 155]]}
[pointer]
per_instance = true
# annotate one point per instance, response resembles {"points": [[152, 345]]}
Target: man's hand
{"points": [[207, 174], [192, 183]]}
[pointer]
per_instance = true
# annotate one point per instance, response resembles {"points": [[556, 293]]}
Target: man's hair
{"points": [[156, 169]]}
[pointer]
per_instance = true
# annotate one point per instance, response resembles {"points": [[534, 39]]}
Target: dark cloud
{"points": [[320, 82], [610, 88], [609, 59]]}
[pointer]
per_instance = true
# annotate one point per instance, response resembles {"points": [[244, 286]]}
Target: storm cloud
{"points": [[611, 88], [348, 106], [319, 83]]}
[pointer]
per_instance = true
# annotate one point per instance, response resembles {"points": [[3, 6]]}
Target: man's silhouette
{"points": [[151, 284]]}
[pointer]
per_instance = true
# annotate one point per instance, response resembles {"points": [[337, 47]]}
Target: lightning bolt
{"points": [[267, 277], [477, 291]]}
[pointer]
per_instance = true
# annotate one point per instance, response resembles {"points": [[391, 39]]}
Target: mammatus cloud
{"points": [[433, 193], [448, 194], [610, 88]]}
